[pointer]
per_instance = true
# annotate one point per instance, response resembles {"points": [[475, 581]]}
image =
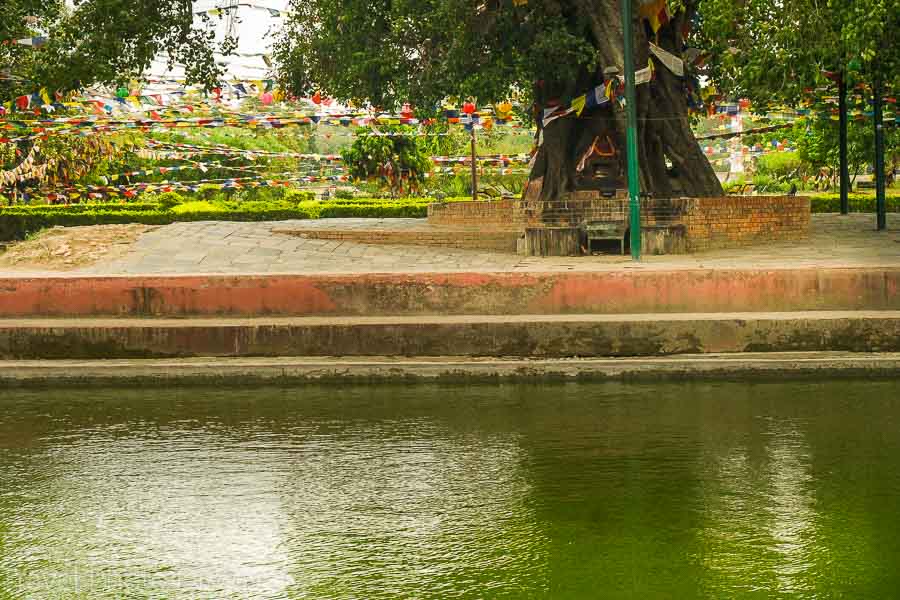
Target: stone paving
{"points": [[227, 247]]}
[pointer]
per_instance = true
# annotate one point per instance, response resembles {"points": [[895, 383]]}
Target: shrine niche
{"points": [[599, 167]]}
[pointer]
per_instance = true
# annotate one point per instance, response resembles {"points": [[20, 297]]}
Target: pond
{"points": [[436, 491]]}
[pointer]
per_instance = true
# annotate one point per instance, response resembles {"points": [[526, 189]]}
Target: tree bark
{"points": [[671, 161], [23, 149]]}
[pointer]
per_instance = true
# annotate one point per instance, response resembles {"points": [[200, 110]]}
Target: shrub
{"points": [[780, 165], [768, 184], [372, 210], [399, 161], [209, 192], [169, 200], [196, 206], [734, 186], [297, 196]]}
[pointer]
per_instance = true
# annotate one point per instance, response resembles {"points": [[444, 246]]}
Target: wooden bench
{"points": [[605, 231]]}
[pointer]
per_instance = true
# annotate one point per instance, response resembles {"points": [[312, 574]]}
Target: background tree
{"points": [[773, 52], [88, 42], [817, 149], [400, 161], [786, 52], [818, 146], [550, 51], [101, 41]]}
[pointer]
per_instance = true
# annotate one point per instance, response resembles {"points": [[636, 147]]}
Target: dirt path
{"points": [[68, 248]]}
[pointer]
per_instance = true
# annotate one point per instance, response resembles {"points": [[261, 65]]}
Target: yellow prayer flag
{"points": [[578, 104], [656, 12]]}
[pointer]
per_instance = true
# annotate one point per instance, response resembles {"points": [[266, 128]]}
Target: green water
{"points": [[564, 491]]}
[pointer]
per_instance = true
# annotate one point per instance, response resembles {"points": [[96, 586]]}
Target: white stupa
{"points": [[253, 22]]}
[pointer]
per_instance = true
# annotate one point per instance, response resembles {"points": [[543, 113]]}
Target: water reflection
{"points": [[722, 490], [308, 508], [790, 502], [761, 526]]}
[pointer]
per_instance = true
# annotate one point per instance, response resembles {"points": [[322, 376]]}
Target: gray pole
{"points": [[880, 207], [845, 166], [474, 166]]}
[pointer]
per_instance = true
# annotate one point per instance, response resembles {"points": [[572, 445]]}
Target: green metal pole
{"points": [[634, 186]]}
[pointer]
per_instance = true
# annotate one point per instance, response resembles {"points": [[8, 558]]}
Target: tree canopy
{"points": [[770, 52], [424, 51], [100, 41], [546, 53], [392, 51]]}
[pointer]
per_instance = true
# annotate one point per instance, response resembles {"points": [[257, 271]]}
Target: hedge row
{"points": [[418, 201], [81, 208], [19, 221], [374, 211], [831, 203]]}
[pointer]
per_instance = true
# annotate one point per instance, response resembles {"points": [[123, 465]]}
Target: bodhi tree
{"points": [[549, 52]]}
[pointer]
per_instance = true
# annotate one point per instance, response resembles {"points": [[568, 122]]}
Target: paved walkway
{"points": [[224, 247]]}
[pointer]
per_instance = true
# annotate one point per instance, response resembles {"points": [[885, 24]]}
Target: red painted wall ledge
{"points": [[454, 293]]}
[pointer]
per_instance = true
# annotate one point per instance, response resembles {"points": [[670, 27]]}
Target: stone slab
{"points": [[256, 371], [533, 336]]}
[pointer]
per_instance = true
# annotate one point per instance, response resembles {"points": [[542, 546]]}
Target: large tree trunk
{"points": [[671, 161]]}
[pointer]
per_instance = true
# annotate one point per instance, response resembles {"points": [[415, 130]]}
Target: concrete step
{"points": [[623, 291], [302, 369], [536, 336]]}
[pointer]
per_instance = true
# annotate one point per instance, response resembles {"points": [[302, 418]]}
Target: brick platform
{"points": [[497, 215], [698, 223], [670, 226], [738, 220], [462, 225], [471, 239]]}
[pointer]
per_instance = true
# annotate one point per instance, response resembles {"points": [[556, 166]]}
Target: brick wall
{"points": [[739, 220], [703, 223], [484, 216]]}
